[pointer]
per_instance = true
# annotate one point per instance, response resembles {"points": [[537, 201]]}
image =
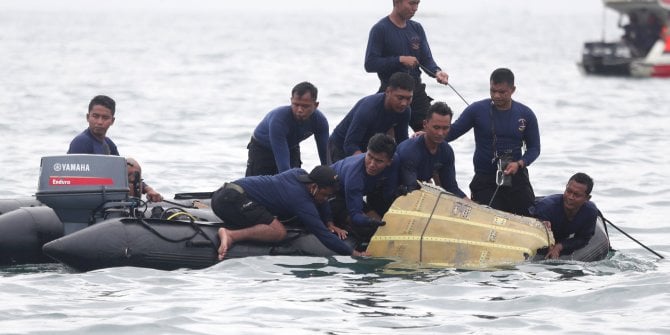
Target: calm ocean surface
{"points": [[192, 81]]}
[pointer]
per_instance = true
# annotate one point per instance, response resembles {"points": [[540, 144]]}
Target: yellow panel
{"points": [[434, 228]]}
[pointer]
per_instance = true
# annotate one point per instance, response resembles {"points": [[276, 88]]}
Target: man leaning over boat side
{"points": [[398, 44], [428, 156], [94, 140], [571, 215], [275, 144], [387, 112], [250, 208], [373, 175], [502, 128]]}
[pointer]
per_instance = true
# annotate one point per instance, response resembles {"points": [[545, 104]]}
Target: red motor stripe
{"points": [[79, 181]]}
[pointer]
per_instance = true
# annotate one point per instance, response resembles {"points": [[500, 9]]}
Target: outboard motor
{"points": [[73, 192], [80, 188]]}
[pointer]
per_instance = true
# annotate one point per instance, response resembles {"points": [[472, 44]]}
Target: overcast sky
{"points": [[459, 6]]}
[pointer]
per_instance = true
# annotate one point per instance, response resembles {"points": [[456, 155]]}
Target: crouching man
{"points": [[250, 206], [368, 186]]}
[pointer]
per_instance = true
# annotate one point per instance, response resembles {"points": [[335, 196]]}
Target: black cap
{"points": [[322, 175]]}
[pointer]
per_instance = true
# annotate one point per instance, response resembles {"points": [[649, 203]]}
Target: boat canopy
{"points": [[660, 8]]}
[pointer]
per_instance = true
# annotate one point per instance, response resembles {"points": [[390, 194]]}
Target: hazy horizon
{"points": [[381, 6]]}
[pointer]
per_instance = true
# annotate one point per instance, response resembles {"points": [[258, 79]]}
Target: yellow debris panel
{"points": [[435, 228]]}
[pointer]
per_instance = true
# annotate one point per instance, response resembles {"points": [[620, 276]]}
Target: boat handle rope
{"points": [[627, 235], [196, 228], [178, 204], [133, 203], [432, 74]]}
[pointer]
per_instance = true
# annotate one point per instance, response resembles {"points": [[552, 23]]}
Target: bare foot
{"points": [[225, 242]]}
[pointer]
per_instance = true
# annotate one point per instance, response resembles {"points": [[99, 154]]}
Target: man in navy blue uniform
{"points": [[275, 144], [94, 139], [387, 113], [374, 175], [399, 44], [251, 207], [428, 156], [571, 215], [502, 127]]}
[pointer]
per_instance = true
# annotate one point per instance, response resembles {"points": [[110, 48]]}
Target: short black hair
{"points": [[502, 75], [583, 179], [440, 108], [402, 80], [383, 144], [104, 101], [305, 87]]}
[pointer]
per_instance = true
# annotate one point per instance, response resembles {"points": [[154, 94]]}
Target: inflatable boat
{"points": [[428, 227], [82, 217]]}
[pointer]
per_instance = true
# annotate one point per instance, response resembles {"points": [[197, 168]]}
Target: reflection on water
{"points": [[8, 271]]}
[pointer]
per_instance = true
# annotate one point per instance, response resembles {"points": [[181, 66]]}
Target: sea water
{"points": [[192, 80]]}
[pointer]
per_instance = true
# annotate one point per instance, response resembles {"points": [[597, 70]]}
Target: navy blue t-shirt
{"points": [[387, 43], [285, 196], [367, 118], [355, 183], [86, 143], [513, 128], [280, 131], [417, 163], [573, 234]]}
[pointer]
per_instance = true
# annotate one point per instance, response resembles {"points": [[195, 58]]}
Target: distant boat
{"points": [[644, 47]]}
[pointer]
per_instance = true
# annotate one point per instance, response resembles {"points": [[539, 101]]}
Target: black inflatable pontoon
{"points": [[165, 245], [74, 192]]}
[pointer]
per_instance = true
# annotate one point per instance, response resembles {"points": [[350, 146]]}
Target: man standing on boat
{"points": [[250, 208], [275, 144], [429, 156], [367, 187], [571, 215], [386, 112], [94, 139], [502, 128], [397, 43]]}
